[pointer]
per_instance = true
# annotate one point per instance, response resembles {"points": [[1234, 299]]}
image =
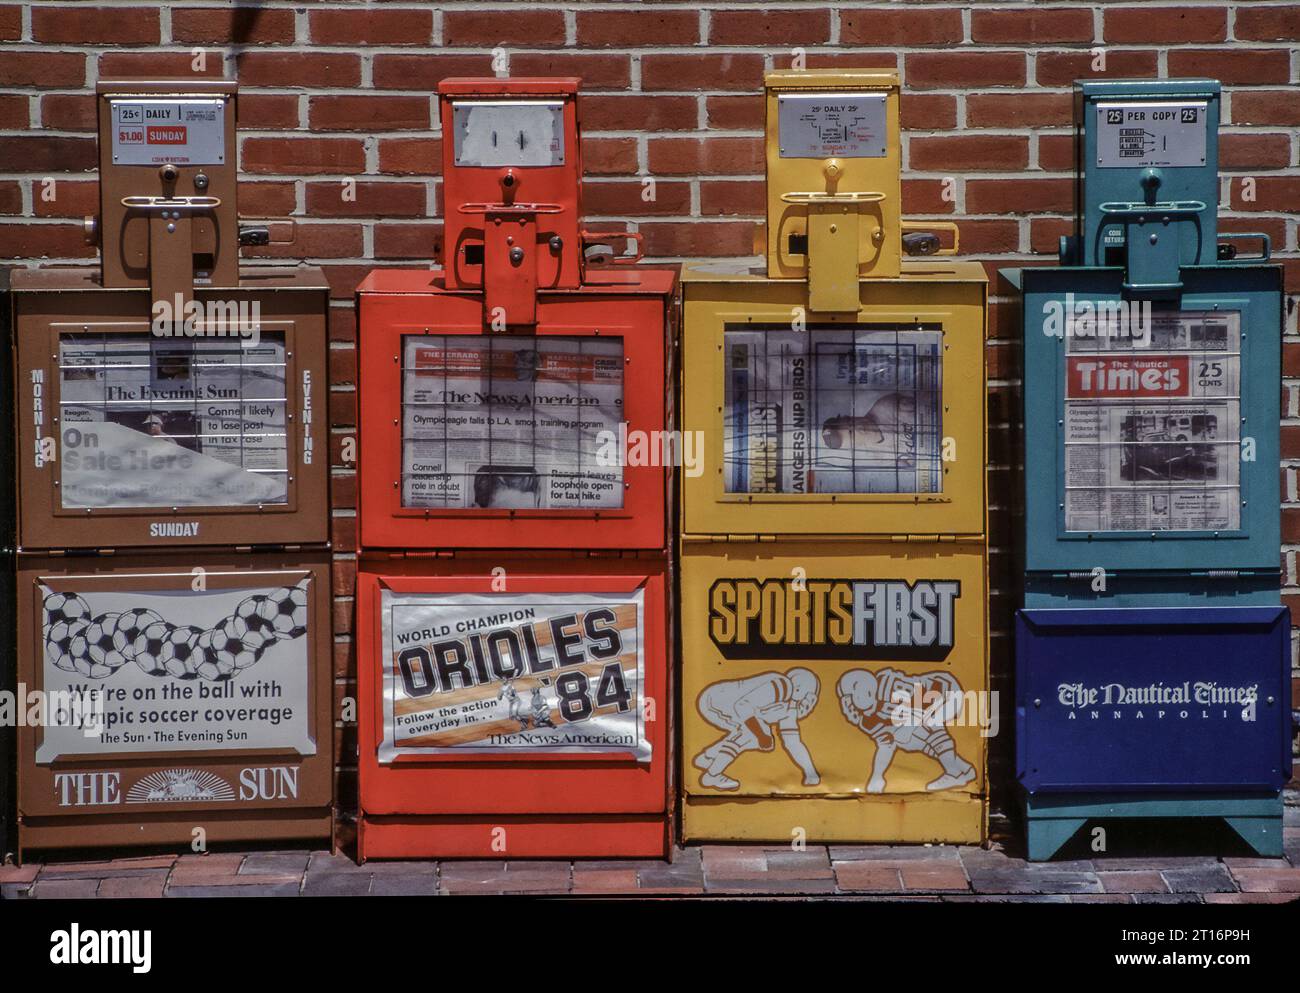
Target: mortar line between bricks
{"points": [[696, 49]]}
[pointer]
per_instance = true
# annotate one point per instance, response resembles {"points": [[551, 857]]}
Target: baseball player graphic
{"points": [[747, 710], [514, 704], [883, 706], [540, 710]]}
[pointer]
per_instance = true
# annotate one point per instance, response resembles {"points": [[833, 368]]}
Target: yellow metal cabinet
{"points": [[800, 595], [835, 689], [922, 332], [833, 537]]}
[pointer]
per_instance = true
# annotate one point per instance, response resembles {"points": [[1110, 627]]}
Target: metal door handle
{"points": [[821, 197], [590, 238], [510, 208], [1265, 247], [930, 226], [1173, 208], [156, 203]]}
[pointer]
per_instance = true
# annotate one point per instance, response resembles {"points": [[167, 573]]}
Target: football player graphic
{"points": [[748, 710], [883, 706]]}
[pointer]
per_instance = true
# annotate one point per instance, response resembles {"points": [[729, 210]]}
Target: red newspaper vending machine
{"points": [[512, 611]]}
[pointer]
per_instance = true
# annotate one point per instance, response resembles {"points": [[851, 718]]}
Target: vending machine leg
{"points": [[1047, 834], [1051, 821], [1263, 834]]}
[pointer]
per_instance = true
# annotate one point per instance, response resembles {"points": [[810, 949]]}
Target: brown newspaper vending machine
{"points": [[173, 507]]}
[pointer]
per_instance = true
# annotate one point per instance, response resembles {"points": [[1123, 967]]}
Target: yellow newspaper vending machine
{"points": [[833, 594]]}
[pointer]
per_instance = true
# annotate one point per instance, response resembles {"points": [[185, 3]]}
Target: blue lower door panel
{"points": [[1153, 699]]}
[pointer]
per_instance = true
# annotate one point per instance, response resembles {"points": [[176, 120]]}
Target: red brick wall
{"points": [[332, 91]]}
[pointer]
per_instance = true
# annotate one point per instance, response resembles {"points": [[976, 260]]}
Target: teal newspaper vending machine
{"points": [[1152, 647]]}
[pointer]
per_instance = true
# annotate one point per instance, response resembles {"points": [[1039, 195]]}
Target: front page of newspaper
{"points": [[1152, 426], [833, 410], [172, 422], [510, 421]]}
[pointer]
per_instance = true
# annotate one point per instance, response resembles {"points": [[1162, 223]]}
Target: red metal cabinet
{"points": [[534, 802], [514, 468], [619, 311]]}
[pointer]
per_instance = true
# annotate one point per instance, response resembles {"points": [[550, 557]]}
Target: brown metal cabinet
{"points": [[172, 494]]}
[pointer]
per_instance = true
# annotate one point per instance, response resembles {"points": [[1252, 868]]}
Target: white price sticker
{"points": [[1164, 133], [186, 132]]}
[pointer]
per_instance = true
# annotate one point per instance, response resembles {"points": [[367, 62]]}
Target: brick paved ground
{"points": [[941, 872]]}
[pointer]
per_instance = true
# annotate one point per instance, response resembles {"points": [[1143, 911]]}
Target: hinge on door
{"points": [[410, 553]]}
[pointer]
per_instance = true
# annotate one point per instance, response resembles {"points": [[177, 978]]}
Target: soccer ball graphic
{"points": [[180, 655], [130, 625], [248, 616], [256, 638], [94, 653], [67, 608], [204, 659], [58, 643], [97, 645], [222, 653], [153, 648], [285, 611]]}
